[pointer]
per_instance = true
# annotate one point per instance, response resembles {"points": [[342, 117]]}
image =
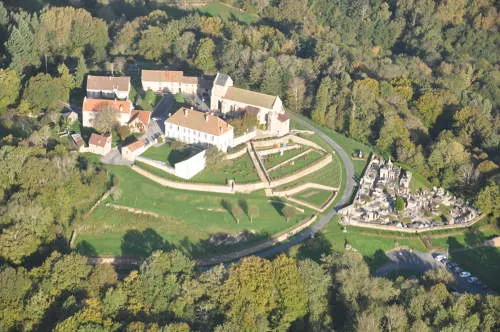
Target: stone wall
{"points": [[157, 164], [244, 138], [236, 154], [410, 230], [267, 152]]}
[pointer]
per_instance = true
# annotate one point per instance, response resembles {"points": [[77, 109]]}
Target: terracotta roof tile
{"points": [[108, 83], [143, 116], [98, 140], [167, 76], [203, 122], [134, 146], [77, 138], [96, 105]]}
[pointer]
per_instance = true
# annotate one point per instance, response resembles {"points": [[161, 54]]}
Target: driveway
{"points": [[114, 157], [350, 186]]}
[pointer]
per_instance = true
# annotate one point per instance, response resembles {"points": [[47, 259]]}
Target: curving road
{"points": [[344, 199]]}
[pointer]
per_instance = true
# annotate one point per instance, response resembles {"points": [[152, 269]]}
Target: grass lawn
{"points": [[240, 169], [296, 165], [348, 144], [167, 154], [225, 12], [187, 218], [330, 175], [316, 197], [371, 244], [417, 182], [276, 159]]}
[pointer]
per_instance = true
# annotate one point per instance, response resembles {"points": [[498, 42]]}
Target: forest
{"points": [[416, 79]]}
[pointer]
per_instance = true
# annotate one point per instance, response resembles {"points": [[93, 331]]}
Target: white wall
{"points": [[190, 136], [172, 87], [190, 167]]}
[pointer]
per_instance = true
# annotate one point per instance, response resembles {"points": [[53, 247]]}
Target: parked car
{"points": [[451, 265], [458, 269], [464, 274], [472, 280], [439, 258]]}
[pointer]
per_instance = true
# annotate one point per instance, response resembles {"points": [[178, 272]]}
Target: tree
{"points": [[237, 212], [105, 119], [10, 84], [399, 205], [204, 58], [22, 44], [45, 92], [488, 199], [288, 212], [296, 94], [253, 212], [211, 25]]}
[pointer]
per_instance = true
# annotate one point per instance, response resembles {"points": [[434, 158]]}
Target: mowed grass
{"points": [[316, 197], [330, 175], [372, 245], [167, 154], [296, 165], [276, 158], [187, 218], [225, 12], [240, 169], [417, 182]]}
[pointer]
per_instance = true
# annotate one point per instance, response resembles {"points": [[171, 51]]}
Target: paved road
{"points": [[344, 199]]}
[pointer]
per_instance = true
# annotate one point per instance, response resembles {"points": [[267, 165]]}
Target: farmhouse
{"points": [[99, 144], [191, 126], [122, 108], [108, 87], [131, 151], [172, 81], [227, 98]]}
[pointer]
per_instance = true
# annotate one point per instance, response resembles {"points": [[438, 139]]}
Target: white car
{"points": [[464, 274], [439, 258]]}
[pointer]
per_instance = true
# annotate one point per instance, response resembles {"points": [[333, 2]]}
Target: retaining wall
{"points": [[410, 230], [286, 162], [277, 150], [236, 154], [244, 138], [157, 164]]}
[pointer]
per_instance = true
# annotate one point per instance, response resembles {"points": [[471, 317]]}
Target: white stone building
{"points": [[131, 151], [99, 144], [227, 98], [122, 108], [191, 126], [108, 87]]}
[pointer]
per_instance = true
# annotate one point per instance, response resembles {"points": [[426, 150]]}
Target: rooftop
{"points": [[143, 116], [250, 97], [96, 105], [108, 83], [203, 122], [167, 76], [135, 146], [77, 138], [98, 140], [221, 79]]}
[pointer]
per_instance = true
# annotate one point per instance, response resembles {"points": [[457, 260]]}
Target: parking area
{"points": [[466, 282]]}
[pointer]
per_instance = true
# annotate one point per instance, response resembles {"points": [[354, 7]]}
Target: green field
{"points": [[371, 244], [316, 197], [330, 175], [296, 165], [417, 182], [187, 218], [225, 12], [276, 159], [167, 154]]}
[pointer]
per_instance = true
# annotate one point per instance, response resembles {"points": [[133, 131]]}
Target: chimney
{"points": [[206, 117], [186, 112], [121, 108]]}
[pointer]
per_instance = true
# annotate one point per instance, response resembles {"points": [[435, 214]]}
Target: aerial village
{"points": [[381, 187]]}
